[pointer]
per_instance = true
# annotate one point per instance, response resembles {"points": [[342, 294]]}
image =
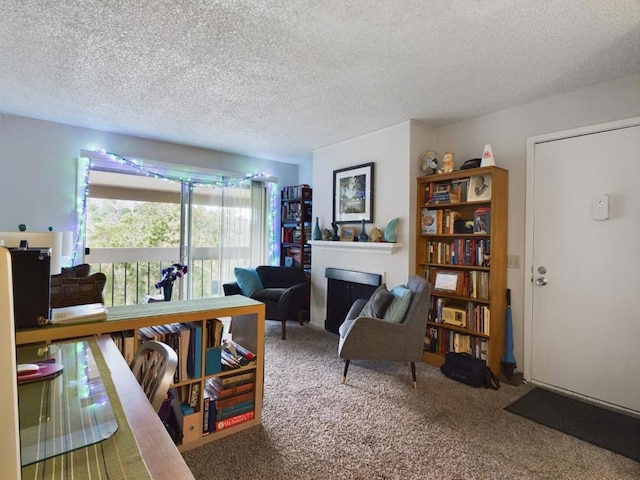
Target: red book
{"points": [[232, 421]]}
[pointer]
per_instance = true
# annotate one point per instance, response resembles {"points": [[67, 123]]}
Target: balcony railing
{"points": [[132, 272]]}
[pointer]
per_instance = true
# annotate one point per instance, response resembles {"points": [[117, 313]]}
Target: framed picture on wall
{"points": [[353, 194]]}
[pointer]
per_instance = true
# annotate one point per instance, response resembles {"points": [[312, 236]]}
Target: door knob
{"points": [[541, 281]]}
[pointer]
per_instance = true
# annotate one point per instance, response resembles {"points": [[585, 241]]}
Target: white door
{"points": [[584, 332]]}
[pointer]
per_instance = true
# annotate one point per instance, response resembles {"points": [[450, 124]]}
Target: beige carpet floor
{"points": [[377, 427]]}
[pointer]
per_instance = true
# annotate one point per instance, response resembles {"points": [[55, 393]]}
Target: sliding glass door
{"points": [[136, 225]]}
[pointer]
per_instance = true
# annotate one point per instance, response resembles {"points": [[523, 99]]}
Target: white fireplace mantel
{"points": [[379, 248]]}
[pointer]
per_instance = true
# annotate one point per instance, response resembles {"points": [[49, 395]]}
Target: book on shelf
{"points": [[233, 410], [235, 420], [194, 394], [215, 327], [444, 197], [206, 411], [229, 380], [429, 221], [482, 220], [230, 401], [431, 340], [221, 392], [90, 312], [461, 187], [194, 357]]}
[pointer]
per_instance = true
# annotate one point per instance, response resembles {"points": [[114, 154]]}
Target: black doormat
{"points": [[613, 431]]}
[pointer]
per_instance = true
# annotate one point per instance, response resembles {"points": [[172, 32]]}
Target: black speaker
{"points": [[30, 269]]}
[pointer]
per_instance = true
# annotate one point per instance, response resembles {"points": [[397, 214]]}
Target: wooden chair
{"points": [[154, 366]]}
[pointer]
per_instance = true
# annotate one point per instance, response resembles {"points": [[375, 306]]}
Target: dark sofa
{"points": [[285, 292]]}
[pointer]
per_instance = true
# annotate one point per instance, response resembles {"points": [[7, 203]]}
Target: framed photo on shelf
{"points": [[447, 281], [479, 188], [353, 194], [429, 221], [347, 234]]}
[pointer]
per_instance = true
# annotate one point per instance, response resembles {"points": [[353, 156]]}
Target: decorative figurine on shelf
{"points": [[390, 231], [487, 157], [429, 161], [376, 235], [170, 275], [317, 235], [448, 165], [326, 234], [335, 235], [363, 237]]}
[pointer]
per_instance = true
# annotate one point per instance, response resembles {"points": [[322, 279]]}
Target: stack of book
{"points": [[229, 401]]}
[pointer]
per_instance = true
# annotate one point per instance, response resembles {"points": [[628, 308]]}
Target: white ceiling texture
{"points": [[277, 79]]}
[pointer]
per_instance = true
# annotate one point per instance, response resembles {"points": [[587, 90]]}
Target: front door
{"points": [[584, 224]]}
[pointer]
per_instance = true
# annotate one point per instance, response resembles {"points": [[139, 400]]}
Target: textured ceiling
{"points": [[278, 78]]}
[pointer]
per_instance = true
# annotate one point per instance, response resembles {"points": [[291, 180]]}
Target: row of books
{"points": [[440, 221], [186, 339], [455, 191], [126, 343], [476, 188], [296, 234], [293, 212], [461, 251], [295, 192], [299, 257], [477, 318], [442, 341], [445, 221]]}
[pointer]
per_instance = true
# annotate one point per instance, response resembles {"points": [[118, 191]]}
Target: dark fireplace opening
{"points": [[343, 288]]}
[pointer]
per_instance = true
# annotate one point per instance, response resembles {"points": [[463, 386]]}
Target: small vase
{"points": [[317, 234], [363, 237], [390, 231], [167, 290]]}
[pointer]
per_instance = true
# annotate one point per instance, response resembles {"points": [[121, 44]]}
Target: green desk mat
{"points": [[117, 457]]}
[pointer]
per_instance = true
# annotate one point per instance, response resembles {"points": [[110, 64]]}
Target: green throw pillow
{"points": [[248, 280], [378, 303], [399, 305]]}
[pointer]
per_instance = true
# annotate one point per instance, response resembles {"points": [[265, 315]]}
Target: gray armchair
{"points": [[368, 338]]}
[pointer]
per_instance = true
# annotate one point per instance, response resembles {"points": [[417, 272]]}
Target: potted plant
{"points": [[170, 275]]}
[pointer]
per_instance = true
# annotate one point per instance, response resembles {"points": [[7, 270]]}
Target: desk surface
{"points": [[162, 457], [141, 446], [129, 317]]}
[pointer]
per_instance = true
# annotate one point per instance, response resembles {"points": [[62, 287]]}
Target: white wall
{"points": [[38, 168], [395, 170]]}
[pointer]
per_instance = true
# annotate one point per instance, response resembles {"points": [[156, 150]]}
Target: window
{"points": [[136, 225]]}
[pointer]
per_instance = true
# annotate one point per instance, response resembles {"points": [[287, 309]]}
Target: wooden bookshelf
{"points": [[296, 227], [248, 331], [461, 249]]}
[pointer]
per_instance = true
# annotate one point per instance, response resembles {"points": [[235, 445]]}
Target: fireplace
{"points": [[343, 288]]}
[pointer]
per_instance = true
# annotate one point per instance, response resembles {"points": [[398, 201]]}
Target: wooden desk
{"points": [[163, 459]]}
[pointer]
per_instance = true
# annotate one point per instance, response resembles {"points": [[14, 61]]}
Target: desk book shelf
{"points": [[248, 331]]}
